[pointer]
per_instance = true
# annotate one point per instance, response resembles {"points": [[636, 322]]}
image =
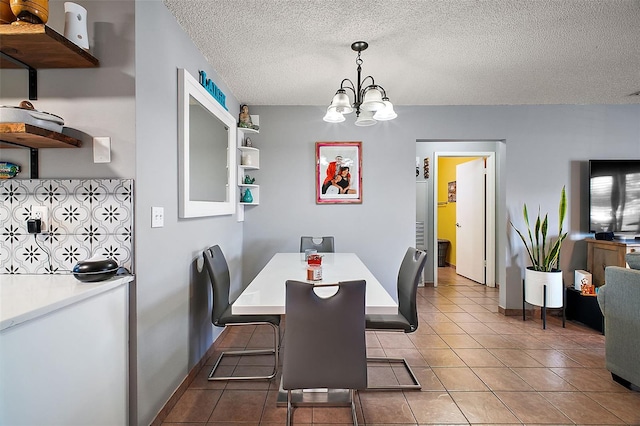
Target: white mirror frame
{"points": [[189, 86]]}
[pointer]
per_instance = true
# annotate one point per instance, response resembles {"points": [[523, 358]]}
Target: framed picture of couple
{"points": [[338, 172]]}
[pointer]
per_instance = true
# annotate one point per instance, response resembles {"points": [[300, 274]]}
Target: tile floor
{"points": [[476, 367]]}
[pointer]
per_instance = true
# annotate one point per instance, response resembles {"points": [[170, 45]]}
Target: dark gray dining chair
{"points": [[221, 315], [406, 320], [324, 340], [321, 244]]}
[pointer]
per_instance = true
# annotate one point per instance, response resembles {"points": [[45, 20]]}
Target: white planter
{"points": [[533, 288]]}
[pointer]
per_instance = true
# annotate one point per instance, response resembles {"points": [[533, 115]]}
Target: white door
{"points": [[470, 220]]}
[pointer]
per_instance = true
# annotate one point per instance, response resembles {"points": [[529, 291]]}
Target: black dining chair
{"points": [[406, 320], [324, 340], [221, 315], [321, 244]]}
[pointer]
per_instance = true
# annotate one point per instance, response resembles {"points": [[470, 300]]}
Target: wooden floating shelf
{"points": [[25, 135], [40, 46]]}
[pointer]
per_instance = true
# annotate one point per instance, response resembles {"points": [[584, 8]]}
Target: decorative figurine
{"points": [[249, 180], [245, 119], [247, 197]]}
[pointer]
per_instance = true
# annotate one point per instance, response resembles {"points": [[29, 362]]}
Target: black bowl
{"points": [[95, 270]]}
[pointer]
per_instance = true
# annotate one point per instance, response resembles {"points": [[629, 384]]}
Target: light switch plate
{"points": [[157, 217], [102, 149]]}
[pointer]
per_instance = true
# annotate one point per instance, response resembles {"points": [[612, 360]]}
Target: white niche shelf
{"points": [[249, 160]]}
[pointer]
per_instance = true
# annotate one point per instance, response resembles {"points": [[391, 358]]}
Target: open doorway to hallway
{"points": [[433, 205]]}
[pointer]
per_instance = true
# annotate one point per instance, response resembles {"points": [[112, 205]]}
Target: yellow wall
{"points": [[446, 210]]}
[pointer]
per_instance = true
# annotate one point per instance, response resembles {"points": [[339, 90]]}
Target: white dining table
{"points": [[265, 295]]}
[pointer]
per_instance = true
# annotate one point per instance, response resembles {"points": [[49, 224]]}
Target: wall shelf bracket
{"points": [[33, 75]]}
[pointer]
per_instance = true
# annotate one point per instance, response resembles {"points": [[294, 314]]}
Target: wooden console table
{"points": [[601, 253]]}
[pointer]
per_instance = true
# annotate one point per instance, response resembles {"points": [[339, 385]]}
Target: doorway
{"points": [[485, 246]]}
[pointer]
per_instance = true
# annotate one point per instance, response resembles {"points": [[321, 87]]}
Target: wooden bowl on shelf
{"points": [[30, 11]]}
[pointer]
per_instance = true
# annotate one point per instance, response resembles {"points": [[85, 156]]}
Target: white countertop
{"points": [[265, 295], [26, 297]]}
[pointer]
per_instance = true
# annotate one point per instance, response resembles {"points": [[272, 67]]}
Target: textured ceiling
{"points": [[423, 52]]}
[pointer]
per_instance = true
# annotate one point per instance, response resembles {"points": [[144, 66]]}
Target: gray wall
{"points": [[545, 147], [92, 101], [173, 298]]}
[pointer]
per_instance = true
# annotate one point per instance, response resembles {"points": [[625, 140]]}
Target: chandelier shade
{"points": [[386, 113], [365, 118], [333, 116], [370, 101], [341, 102]]}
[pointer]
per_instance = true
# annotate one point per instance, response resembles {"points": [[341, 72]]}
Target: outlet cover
{"points": [[42, 213]]}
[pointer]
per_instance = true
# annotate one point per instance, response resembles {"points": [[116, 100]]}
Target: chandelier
{"points": [[370, 103]]}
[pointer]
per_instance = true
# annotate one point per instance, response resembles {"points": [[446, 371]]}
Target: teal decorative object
{"points": [[249, 180], [247, 197]]}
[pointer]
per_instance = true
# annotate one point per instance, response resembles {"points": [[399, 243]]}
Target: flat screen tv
{"points": [[614, 197]]}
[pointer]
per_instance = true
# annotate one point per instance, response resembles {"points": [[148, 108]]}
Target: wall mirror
{"points": [[207, 154]]}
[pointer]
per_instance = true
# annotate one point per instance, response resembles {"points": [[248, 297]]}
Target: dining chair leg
{"points": [[289, 408], [415, 383], [354, 415], [275, 351]]}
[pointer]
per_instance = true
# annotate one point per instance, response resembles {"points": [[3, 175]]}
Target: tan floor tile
{"points": [[474, 308], [551, 358], [483, 407], [413, 356], [625, 406], [393, 339], [501, 379], [446, 308], [239, 406], [583, 379], [274, 414], [428, 379], [489, 341], [459, 379], [526, 341], [515, 358], [475, 328], [442, 358], [428, 341], [194, 406], [592, 358], [385, 407], [434, 407], [580, 408], [531, 407], [432, 318], [460, 341], [459, 317], [487, 318], [543, 379], [478, 358], [447, 328]]}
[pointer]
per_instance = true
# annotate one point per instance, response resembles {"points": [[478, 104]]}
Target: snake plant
{"points": [[543, 254]]}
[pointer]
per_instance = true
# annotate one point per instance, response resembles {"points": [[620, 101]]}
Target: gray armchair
{"points": [[619, 300], [321, 244], [406, 320], [221, 316], [324, 343]]}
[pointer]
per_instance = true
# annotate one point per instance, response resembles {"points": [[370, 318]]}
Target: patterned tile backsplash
{"points": [[86, 217]]}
